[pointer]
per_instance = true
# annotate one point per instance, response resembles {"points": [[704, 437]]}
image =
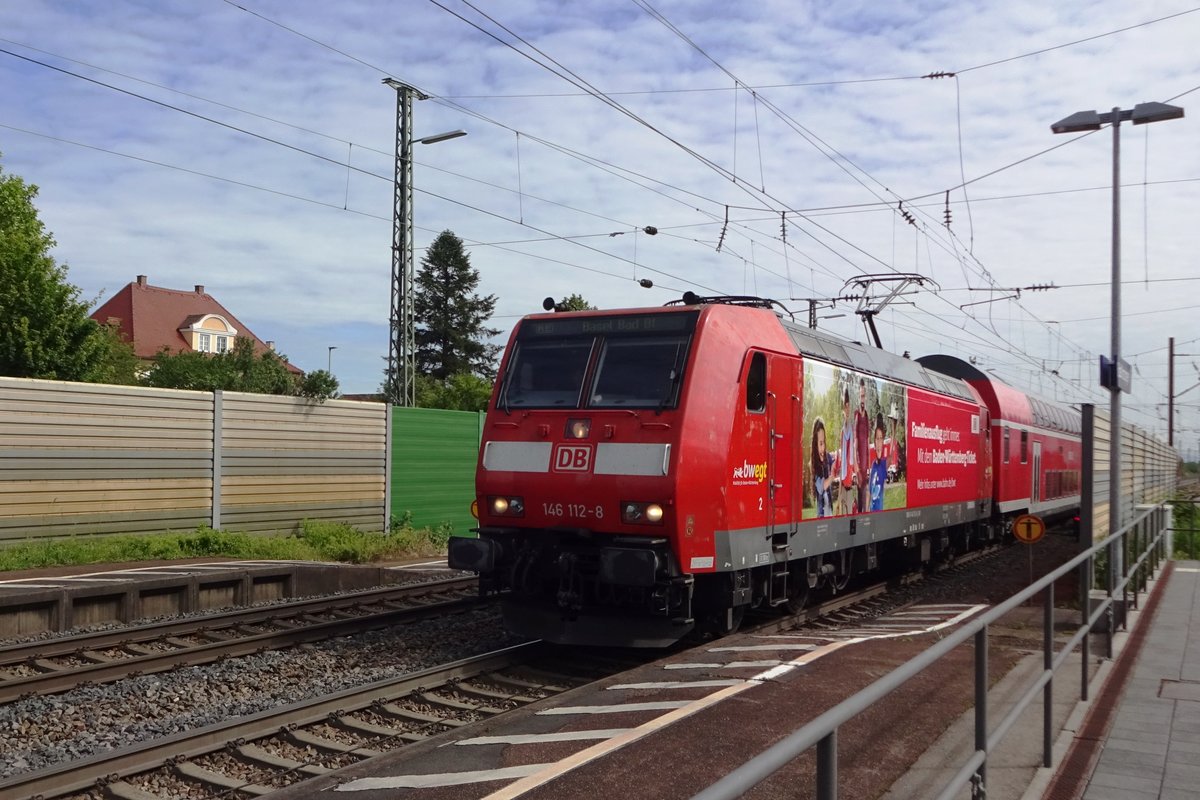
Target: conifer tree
{"points": [[451, 319]]}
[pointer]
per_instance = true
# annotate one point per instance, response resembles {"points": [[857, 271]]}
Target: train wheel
{"points": [[725, 622], [797, 595]]}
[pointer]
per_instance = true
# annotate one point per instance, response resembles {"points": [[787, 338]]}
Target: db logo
{"points": [[572, 458]]}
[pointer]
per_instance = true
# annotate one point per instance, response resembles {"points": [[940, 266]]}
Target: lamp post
{"points": [[1111, 374], [329, 361], [402, 346]]}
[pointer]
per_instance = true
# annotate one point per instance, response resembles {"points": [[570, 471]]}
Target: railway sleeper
{"points": [[123, 790], [194, 772], [306, 739], [556, 680], [458, 705], [409, 715], [519, 683], [484, 693], [361, 726], [254, 754]]}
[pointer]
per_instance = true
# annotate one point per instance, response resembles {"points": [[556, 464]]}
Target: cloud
{"points": [[837, 149]]}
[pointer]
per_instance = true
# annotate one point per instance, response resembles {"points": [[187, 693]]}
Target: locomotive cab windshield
{"points": [[599, 362]]}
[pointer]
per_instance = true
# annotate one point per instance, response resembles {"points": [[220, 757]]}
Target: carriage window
{"points": [[1005, 444], [1024, 447], [756, 383]]}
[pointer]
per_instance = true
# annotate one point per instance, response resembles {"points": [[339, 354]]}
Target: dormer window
{"points": [[208, 333]]}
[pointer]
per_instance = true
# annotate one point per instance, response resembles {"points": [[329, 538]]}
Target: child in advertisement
{"points": [[824, 464], [879, 466], [847, 475]]}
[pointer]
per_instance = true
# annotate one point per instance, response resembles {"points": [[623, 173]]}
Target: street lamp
{"points": [[402, 345], [1114, 374], [329, 362]]}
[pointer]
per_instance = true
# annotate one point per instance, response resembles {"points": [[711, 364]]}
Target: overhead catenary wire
{"points": [[785, 249]]}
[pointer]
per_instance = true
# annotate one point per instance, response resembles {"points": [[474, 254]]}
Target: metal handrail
{"points": [[822, 731]]}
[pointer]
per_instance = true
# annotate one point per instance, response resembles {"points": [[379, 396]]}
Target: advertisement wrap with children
{"points": [[875, 445]]}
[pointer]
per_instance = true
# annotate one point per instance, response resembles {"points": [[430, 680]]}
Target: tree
{"points": [[319, 384], [238, 370], [574, 303], [46, 332], [118, 363], [464, 391], [451, 320]]}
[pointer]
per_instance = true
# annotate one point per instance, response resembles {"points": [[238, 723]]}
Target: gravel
{"points": [[38, 732]]}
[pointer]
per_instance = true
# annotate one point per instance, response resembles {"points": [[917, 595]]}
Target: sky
{"points": [[779, 149]]}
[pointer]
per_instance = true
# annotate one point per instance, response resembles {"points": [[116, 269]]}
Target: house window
{"points": [[222, 344], [205, 344]]}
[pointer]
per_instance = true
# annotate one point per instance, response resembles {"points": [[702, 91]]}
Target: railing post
{"points": [[1126, 577], [979, 788], [1085, 612], [1135, 550], [217, 447], [827, 767], [1048, 665], [1110, 584]]}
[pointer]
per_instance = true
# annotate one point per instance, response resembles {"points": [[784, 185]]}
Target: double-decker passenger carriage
{"points": [[647, 472]]}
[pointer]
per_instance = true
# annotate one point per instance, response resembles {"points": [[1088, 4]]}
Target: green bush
{"points": [[1186, 521], [317, 540]]}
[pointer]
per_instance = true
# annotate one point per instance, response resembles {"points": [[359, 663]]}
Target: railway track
{"points": [[868, 600], [56, 665], [253, 755]]}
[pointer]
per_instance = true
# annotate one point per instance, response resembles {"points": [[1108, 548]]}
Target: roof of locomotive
{"points": [[843, 352], [815, 343]]}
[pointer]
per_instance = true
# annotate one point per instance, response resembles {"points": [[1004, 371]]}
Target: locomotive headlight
{"points": [[641, 513], [507, 506], [578, 428]]}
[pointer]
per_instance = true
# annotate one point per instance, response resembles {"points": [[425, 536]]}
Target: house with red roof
{"points": [[153, 318]]}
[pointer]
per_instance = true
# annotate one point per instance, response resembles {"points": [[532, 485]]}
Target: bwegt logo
{"points": [[748, 471]]}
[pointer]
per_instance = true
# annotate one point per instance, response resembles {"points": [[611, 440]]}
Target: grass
{"points": [[316, 540]]}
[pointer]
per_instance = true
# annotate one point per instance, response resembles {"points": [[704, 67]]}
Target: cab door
{"points": [[784, 397]]}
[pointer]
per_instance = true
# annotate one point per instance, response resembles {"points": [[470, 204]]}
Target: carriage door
{"points": [[783, 454], [1035, 491]]}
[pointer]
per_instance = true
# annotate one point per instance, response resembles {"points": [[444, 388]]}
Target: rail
{"points": [[1144, 536]]}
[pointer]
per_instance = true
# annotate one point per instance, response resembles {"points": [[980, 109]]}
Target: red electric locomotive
{"points": [[647, 472]]}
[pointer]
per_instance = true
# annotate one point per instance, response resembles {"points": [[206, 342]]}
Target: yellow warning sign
{"points": [[1028, 528]]}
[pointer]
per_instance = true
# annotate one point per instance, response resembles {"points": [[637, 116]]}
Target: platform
{"points": [[1143, 742], [58, 600]]}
